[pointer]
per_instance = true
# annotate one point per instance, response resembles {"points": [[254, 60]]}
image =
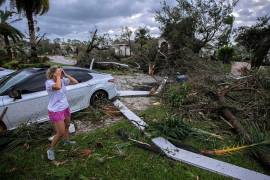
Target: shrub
{"points": [[225, 54], [177, 95], [172, 128], [12, 65]]}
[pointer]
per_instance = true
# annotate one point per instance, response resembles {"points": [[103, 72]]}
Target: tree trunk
{"points": [[8, 48], [129, 43], [32, 35]]}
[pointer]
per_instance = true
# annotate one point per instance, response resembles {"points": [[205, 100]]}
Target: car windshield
{"points": [[13, 79]]}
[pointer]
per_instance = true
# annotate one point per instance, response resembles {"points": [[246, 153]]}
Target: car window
{"points": [[33, 84], [80, 75], [12, 80]]}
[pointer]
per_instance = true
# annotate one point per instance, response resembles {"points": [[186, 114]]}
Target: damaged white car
{"points": [[23, 98], [4, 72]]}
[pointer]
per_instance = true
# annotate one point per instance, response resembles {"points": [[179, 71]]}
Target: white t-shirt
{"points": [[57, 99]]}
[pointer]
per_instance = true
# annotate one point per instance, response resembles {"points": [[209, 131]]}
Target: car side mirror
{"points": [[15, 94]]}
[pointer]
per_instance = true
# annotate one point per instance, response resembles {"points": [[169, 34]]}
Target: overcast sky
{"points": [[73, 19]]}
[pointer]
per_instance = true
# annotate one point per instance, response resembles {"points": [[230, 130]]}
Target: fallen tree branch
{"points": [[230, 117]]}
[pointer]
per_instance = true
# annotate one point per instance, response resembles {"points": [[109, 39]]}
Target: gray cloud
{"points": [[75, 18], [247, 11]]}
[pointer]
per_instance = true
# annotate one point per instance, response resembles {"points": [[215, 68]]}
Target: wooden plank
{"points": [[133, 93], [207, 163], [136, 120]]}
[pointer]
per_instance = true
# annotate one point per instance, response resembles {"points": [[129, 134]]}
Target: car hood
{"points": [[5, 72]]}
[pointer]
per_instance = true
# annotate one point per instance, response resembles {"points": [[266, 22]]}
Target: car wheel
{"points": [[98, 98]]}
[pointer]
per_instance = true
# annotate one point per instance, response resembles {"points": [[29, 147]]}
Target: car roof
{"points": [[36, 70]]}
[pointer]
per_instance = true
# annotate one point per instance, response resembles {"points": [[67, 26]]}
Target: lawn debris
{"points": [[86, 152], [235, 149], [176, 130], [59, 163], [99, 145], [235, 102], [123, 134], [111, 111], [26, 135]]}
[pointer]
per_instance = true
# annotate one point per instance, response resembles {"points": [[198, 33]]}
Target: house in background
{"points": [[122, 50]]}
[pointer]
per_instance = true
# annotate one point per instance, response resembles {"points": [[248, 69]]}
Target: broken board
{"points": [[207, 163], [131, 116], [133, 93]]}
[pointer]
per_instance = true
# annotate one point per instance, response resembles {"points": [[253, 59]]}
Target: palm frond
{"points": [[36, 7], [230, 150]]}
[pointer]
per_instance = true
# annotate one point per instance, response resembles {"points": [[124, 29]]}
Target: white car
{"points": [[4, 72], [23, 98]]}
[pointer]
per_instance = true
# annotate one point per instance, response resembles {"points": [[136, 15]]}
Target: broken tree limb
{"points": [[228, 115], [264, 158], [161, 87], [150, 147], [92, 64]]}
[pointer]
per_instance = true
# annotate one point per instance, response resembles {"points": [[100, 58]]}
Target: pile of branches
{"points": [[25, 135], [242, 105]]}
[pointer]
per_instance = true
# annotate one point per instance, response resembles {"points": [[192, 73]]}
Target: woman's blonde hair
{"points": [[51, 71]]}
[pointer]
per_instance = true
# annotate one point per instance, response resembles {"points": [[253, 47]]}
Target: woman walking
{"points": [[58, 108]]}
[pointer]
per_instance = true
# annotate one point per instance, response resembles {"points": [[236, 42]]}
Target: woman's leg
{"points": [[67, 124], [60, 132]]}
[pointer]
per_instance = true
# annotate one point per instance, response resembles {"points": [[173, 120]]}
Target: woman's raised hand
{"points": [[58, 72]]}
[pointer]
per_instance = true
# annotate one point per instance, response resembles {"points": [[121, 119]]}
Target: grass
{"points": [[115, 160]]}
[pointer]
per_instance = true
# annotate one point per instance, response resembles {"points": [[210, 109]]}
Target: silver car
{"points": [[23, 98], [4, 72]]}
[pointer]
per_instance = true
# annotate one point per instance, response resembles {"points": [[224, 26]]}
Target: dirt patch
{"points": [[137, 81], [87, 126]]}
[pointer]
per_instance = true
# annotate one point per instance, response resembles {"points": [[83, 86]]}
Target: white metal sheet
{"points": [[207, 163], [133, 93], [136, 120]]}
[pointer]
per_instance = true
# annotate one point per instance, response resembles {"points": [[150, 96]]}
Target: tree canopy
{"points": [[256, 39], [196, 23]]}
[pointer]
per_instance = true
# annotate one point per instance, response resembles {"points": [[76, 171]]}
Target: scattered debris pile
{"points": [[241, 105], [25, 136]]}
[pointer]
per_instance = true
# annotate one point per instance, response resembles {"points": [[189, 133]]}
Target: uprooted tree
{"points": [[98, 47], [256, 40]]}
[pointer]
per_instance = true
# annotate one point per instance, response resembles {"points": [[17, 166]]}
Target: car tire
{"points": [[98, 98]]}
